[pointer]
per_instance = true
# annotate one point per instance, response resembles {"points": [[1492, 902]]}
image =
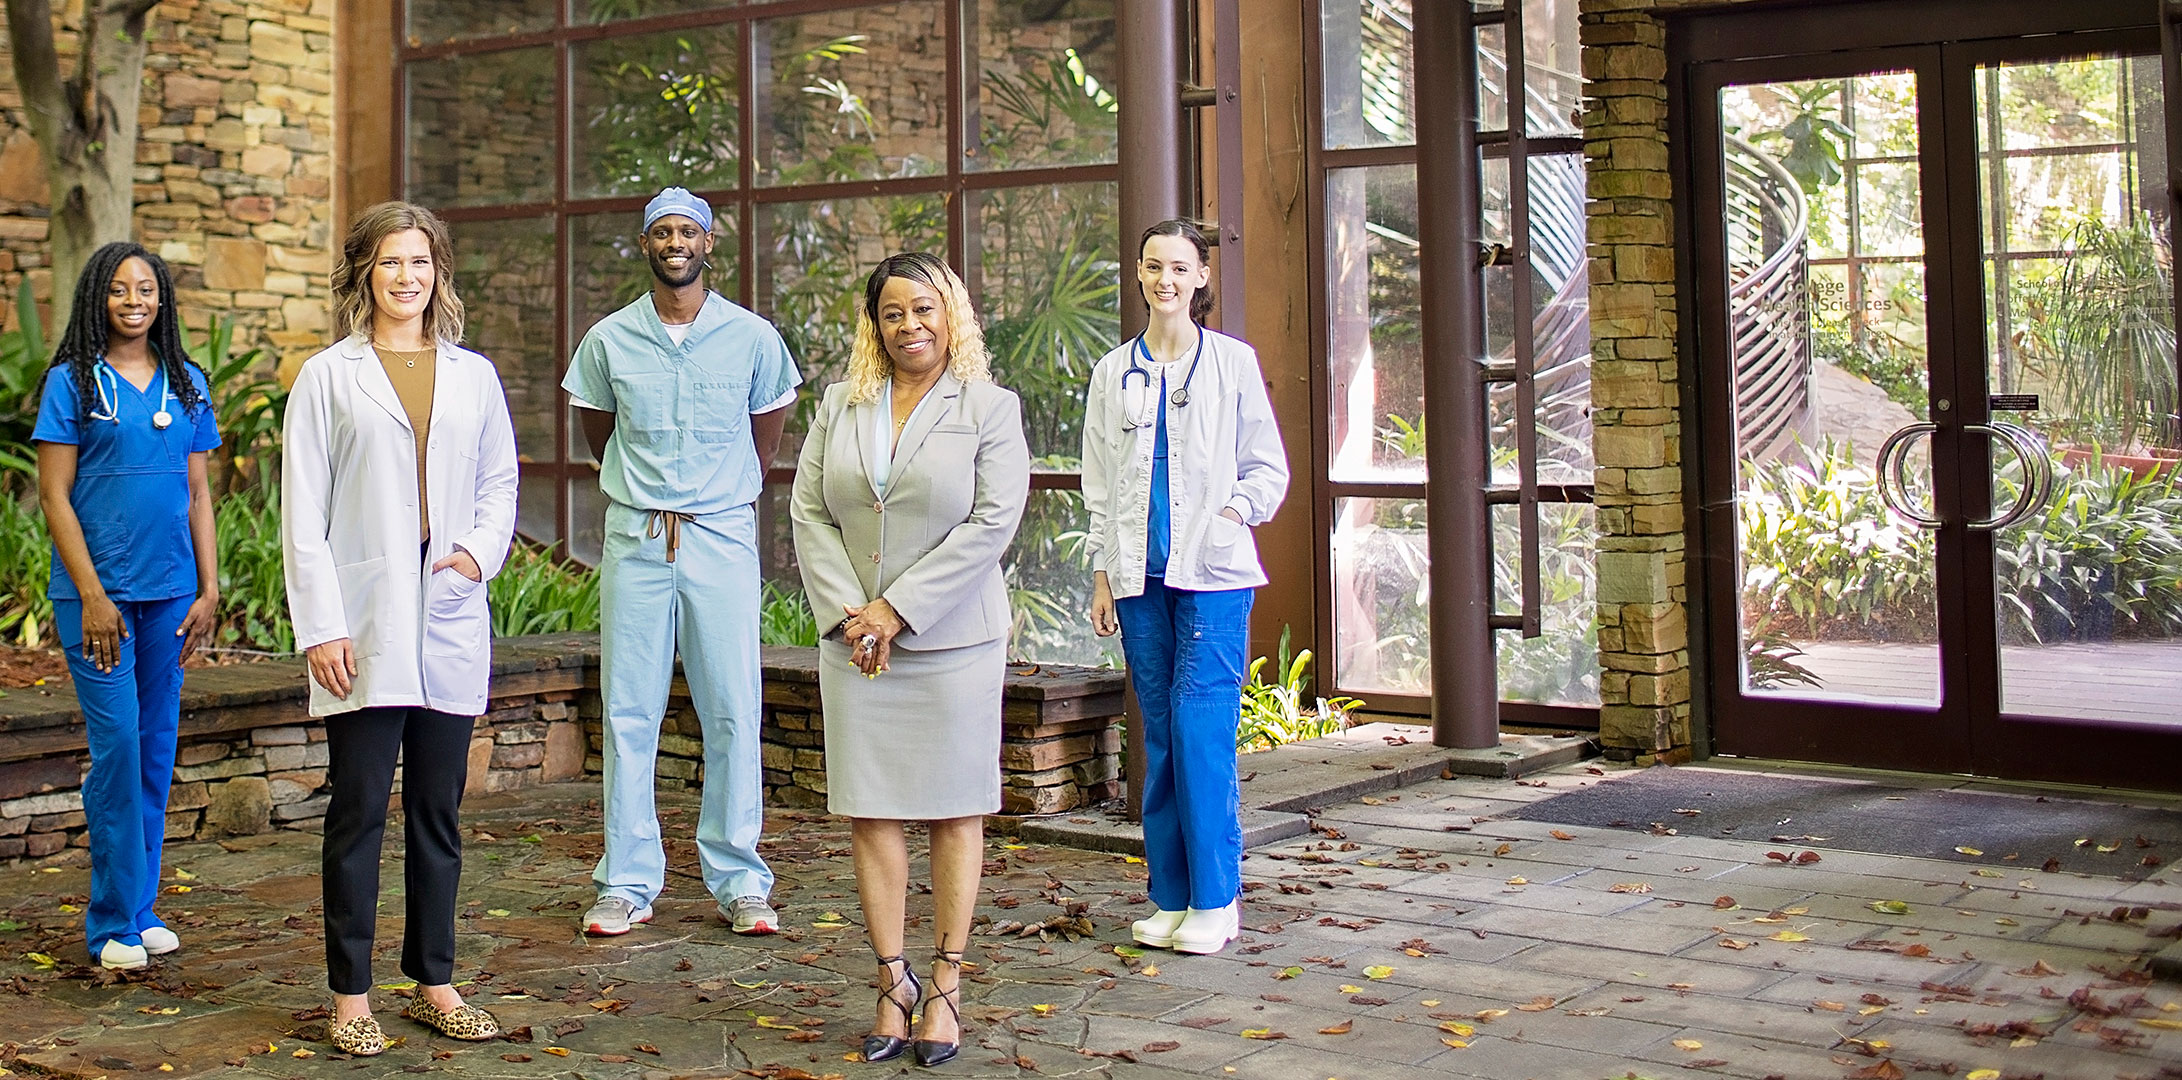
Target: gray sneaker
{"points": [[612, 916], [750, 915]]}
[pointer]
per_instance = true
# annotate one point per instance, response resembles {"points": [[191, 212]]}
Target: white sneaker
{"points": [[612, 916], [1206, 932], [118, 957], [159, 941], [1157, 931]]}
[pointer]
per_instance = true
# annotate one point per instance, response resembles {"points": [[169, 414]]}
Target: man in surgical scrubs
{"points": [[683, 394]]}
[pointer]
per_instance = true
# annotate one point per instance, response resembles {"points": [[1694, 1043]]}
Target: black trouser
{"points": [[435, 754]]}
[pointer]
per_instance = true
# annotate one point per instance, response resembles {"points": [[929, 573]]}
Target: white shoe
{"points": [[159, 941], [118, 957], [1157, 931], [1206, 932]]}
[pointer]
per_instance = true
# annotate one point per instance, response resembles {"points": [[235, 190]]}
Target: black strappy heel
{"points": [[888, 1047], [931, 1052]]}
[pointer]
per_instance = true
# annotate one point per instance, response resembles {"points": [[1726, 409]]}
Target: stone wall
{"points": [[234, 168], [1643, 596], [1060, 745], [250, 759]]}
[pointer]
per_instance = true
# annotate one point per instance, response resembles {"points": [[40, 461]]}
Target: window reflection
{"points": [[655, 110], [504, 270], [1375, 365], [1369, 85], [481, 129], [1045, 93], [1050, 285], [852, 95]]}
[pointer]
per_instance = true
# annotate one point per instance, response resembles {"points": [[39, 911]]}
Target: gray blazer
{"points": [[932, 545]]}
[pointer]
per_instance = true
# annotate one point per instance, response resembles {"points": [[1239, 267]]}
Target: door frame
{"points": [[1964, 732]]}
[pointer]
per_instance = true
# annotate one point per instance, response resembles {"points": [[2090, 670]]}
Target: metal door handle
{"points": [[1893, 460], [2037, 486]]}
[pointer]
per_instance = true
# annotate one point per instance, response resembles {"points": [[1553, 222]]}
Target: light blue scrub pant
{"points": [[129, 716], [1185, 652], [707, 601]]}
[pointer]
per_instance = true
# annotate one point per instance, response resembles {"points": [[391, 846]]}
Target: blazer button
{"points": [[878, 508], [874, 556]]}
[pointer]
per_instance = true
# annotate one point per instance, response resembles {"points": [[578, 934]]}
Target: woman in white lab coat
{"points": [[398, 505]]}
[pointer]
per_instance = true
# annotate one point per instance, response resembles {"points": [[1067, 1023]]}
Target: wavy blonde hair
{"points": [[352, 302], [869, 365]]}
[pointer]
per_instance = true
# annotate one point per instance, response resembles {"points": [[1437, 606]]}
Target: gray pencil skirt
{"points": [[919, 743]]}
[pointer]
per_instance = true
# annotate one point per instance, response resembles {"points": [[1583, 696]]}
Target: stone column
{"points": [[1643, 596]]}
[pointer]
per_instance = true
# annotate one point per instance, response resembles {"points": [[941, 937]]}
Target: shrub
{"points": [[1276, 713]]}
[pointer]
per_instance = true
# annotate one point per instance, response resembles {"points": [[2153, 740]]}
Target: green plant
{"points": [[22, 373], [1769, 664], [248, 404], [535, 593], [1817, 144], [784, 618], [1276, 713], [2103, 560], [253, 578], [2103, 331], [26, 616], [1823, 557]]}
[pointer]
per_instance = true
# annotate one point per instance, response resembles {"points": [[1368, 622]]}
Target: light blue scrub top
{"points": [[132, 482], [682, 412]]}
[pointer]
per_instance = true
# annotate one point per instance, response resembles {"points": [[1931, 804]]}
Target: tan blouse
{"points": [[412, 374]]}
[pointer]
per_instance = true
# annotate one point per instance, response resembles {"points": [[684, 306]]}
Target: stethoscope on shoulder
{"points": [[1139, 406], [109, 395]]}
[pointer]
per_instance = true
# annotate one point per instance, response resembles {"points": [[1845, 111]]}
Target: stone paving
{"points": [[1410, 935]]}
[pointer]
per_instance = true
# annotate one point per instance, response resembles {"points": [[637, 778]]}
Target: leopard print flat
{"points": [[359, 1036], [468, 1023]]}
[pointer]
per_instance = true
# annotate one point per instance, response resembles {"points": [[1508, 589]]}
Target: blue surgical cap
{"points": [[676, 200]]}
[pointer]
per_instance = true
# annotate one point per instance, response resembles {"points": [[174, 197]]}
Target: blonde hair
{"points": [[353, 305], [869, 365]]}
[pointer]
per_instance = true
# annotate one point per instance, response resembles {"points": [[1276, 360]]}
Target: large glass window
{"points": [[825, 139], [1373, 434]]}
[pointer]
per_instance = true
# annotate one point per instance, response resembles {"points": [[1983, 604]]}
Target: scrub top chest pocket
{"points": [[719, 408]]}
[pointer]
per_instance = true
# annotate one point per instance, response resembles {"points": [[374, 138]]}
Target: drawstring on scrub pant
{"points": [[671, 523]]}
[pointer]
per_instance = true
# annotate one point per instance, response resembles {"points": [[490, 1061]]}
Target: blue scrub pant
{"points": [[705, 601], [129, 716], [1185, 653]]}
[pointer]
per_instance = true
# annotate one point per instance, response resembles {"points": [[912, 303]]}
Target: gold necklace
{"points": [[407, 358]]}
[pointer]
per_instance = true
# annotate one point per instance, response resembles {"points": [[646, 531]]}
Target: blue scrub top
{"points": [[1159, 533], [132, 482], [682, 412]]}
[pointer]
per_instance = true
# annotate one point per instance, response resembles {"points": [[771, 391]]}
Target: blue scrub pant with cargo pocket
{"points": [[129, 716], [1185, 653], [704, 604]]}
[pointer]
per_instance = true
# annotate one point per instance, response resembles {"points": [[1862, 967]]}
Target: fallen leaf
{"points": [[1725, 903], [1267, 1034], [1789, 935], [1541, 1003], [773, 1022], [1161, 1047], [1738, 946], [1434, 1003], [1884, 1070], [1636, 887], [1688, 1044], [1830, 1006], [2163, 1025], [1983, 1074], [1806, 858], [556, 1051], [1518, 880], [499, 912], [1559, 835], [1288, 973], [1378, 971], [1917, 950], [1503, 849], [1151, 971], [1347, 989], [1968, 851], [1342, 1028], [1454, 1044], [1457, 1027], [1890, 907]]}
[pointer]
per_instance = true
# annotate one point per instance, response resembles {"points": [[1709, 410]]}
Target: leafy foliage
{"points": [[784, 618], [26, 616], [1278, 712], [248, 404], [2102, 331], [535, 593], [1822, 555], [2103, 561], [1816, 144], [253, 578]]}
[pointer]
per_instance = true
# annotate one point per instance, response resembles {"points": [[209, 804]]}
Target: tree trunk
{"points": [[86, 125]]}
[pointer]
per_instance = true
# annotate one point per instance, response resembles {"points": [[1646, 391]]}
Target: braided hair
{"points": [[83, 343]]}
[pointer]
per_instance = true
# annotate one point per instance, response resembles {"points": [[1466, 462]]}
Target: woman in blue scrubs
{"points": [[124, 422]]}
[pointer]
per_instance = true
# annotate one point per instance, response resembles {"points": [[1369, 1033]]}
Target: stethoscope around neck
{"points": [[108, 382], [1139, 406]]}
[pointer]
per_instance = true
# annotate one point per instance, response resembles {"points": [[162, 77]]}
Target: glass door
{"points": [[1821, 239], [1936, 350]]}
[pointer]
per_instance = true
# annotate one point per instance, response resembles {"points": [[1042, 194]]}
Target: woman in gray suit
{"points": [[906, 555]]}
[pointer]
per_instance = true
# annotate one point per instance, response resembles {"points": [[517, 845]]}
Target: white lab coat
{"points": [[348, 526], [1223, 452]]}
